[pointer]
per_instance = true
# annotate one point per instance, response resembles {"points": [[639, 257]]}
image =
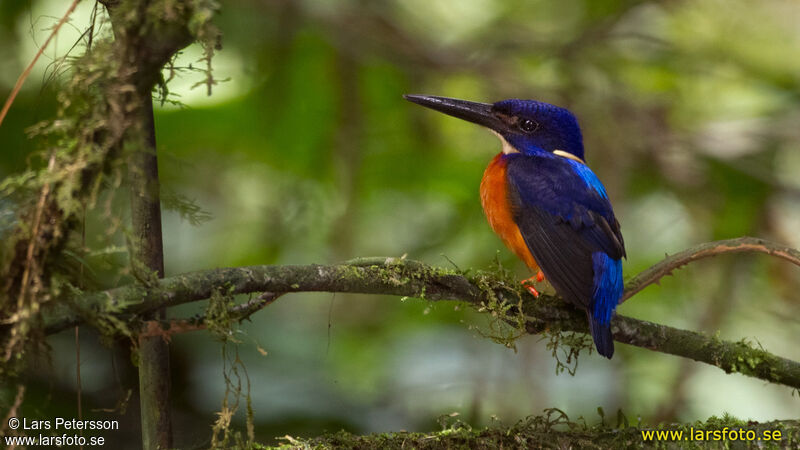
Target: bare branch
{"points": [[739, 245]]}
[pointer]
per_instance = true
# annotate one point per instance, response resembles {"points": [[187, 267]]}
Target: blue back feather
{"points": [[589, 177]]}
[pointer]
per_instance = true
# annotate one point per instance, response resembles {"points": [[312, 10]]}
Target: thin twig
{"points": [[13, 411], [245, 310], [78, 375], [29, 260], [37, 220], [168, 328], [707, 250], [27, 71]]}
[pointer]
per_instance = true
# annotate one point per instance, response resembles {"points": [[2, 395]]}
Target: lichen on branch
{"points": [[407, 278]]}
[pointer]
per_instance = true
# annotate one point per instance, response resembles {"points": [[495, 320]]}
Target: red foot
{"points": [[531, 289], [528, 283]]}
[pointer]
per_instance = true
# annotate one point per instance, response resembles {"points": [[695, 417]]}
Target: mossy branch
{"points": [[554, 429], [400, 277]]}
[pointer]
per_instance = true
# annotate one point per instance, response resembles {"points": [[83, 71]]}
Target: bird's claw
{"points": [[528, 283], [531, 289]]}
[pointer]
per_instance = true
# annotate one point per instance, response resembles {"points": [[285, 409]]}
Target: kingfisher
{"points": [[547, 206]]}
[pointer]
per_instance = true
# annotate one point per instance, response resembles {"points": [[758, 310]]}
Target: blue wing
{"points": [[566, 219]]}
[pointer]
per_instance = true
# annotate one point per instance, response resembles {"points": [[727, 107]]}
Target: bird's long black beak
{"points": [[480, 113]]}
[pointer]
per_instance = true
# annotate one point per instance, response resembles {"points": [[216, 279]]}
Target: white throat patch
{"points": [[507, 148]]}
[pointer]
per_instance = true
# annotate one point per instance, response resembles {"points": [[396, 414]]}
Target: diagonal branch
{"points": [[706, 250], [167, 328], [399, 277]]}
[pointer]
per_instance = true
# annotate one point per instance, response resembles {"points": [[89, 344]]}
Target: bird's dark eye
{"points": [[527, 125]]}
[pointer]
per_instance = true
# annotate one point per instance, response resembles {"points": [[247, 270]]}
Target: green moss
{"points": [[552, 429], [565, 347], [217, 317], [502, 299]]}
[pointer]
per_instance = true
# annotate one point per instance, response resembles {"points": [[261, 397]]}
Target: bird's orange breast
{"points": [[496, 205]]}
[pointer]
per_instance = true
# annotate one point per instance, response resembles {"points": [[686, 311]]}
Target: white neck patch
{"points": [[567, 155]]}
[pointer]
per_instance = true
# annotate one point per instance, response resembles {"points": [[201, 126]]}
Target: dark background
{"points": [[307, 153]]}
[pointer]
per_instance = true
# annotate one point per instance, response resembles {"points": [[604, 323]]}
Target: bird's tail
{"points": [[601, 333], [607, 292]]}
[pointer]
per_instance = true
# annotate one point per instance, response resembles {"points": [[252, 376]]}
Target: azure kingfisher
{"points": [[547, 206]]}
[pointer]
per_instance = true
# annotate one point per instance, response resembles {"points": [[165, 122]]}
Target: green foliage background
{"points": [[307, 153]]}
